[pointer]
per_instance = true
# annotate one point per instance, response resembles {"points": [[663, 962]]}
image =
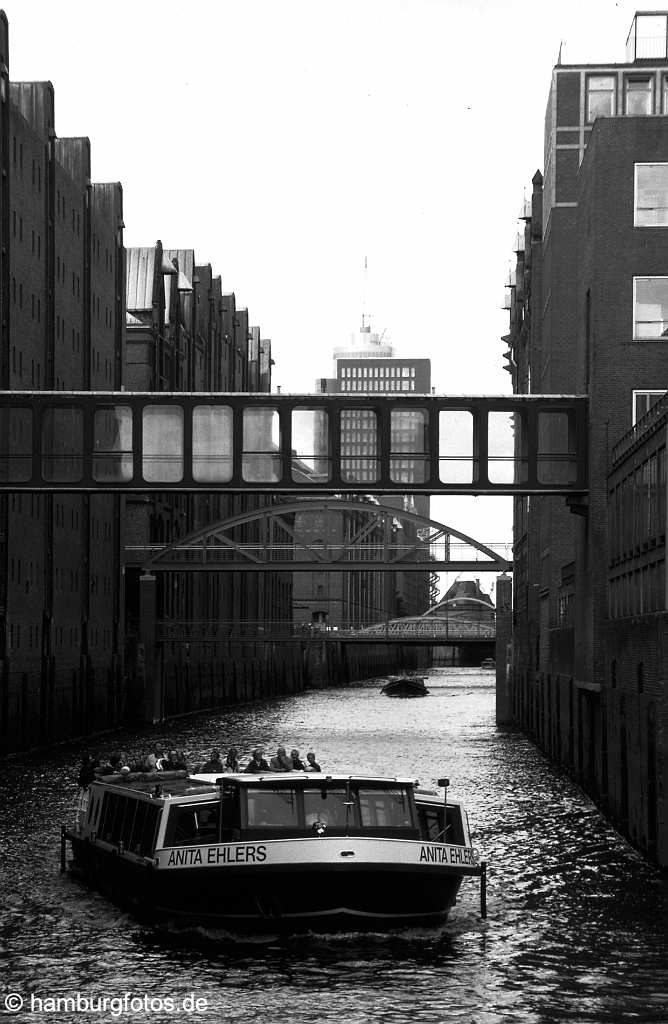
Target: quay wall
{"points": [[611, 737], [81, 704]]}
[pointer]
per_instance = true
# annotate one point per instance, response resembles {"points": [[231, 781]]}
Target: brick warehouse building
{"points": [[589, 314], [72, 656], [185, 334], [62, 298]]}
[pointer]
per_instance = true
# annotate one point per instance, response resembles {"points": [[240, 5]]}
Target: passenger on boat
{"points": [[112, 767], [312, 765], [87, 771], [280, 762], [214, 765], [160, 756], [232, 761], [297, 763], [257, 763], [173, 763]]}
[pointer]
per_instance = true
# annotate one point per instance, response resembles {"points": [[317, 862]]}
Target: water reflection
{"points": [[576, 928]]}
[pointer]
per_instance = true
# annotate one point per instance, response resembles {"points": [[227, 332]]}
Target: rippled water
{"points": [[576, 927]]}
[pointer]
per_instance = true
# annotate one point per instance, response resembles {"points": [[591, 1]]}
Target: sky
{"points": [[285, 141]]}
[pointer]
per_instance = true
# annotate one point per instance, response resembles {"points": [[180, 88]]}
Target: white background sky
{"points": [[285, 140]]}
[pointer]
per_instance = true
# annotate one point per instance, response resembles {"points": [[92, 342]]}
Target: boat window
{"points": [[192, 825], [385, 808], [454, 832], [117, 818], [142, 838], [431, 824], [329, 806], [272, 808]]}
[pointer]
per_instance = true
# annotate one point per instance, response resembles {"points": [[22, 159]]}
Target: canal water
{"points": [[577, 922]]}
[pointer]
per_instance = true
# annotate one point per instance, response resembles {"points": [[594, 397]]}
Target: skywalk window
{"points": [[651, 195], [600, 96], [650, 308]]}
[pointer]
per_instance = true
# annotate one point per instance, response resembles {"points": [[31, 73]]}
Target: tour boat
{"points": [[405, 686], [276, 852]]}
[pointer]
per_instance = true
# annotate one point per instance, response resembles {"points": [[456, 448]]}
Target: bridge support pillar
{"points": [[153, 710], [504, 629]]}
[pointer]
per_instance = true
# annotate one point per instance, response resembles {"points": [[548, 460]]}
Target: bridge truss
{"points": [[333, 534]]}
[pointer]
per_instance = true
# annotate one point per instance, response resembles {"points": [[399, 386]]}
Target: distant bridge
{"points": [[424, 631]]}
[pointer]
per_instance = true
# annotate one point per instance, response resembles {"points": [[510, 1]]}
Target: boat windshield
{"points": [[272, 808], [385, 808], [337, 806], [329, 806]]}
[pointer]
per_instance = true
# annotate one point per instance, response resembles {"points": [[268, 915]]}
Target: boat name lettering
{"points": [[447, 855], [208, 855]]}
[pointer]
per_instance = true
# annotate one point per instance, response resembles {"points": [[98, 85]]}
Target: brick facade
{"points": [[589, 670]]}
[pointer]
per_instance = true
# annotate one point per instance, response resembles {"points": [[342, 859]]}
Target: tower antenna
{"points": [[365, 316]]}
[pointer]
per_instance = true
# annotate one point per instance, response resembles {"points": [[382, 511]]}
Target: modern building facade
{"points": [[367, 365], [588, 304]]}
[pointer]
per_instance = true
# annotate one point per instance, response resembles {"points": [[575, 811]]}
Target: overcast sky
{"points": [[285, 140]]}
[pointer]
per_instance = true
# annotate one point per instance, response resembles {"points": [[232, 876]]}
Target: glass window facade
{"points": [[647, 38]]}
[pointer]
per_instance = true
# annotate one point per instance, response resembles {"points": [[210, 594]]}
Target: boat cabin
{"points": [[137, 817]]}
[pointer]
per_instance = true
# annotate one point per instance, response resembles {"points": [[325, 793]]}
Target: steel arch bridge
{"points": [[298, 537], [430, 630]]}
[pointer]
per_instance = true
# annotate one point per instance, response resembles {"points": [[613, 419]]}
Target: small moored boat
{"points": [[275, 851], [488, 663], [405, 686]]}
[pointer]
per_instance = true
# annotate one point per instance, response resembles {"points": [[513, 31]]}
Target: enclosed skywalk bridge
{"points": [[292, 444]]}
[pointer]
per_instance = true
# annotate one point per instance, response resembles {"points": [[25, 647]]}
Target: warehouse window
{"points": [[651, 195], [643, 402], [650, 308]]}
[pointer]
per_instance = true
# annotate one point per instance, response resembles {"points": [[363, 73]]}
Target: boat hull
{"points": [[288, 896], [408, 687]]}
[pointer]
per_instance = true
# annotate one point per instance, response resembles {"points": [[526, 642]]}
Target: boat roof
{"points": [[314, 777], [166, 784]]}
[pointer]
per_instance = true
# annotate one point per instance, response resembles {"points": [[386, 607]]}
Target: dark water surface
{"points": [[576, 927]]}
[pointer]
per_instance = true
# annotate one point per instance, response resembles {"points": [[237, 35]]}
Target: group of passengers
{"points": [[280, 762], [174, 760], [120, 764]]}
